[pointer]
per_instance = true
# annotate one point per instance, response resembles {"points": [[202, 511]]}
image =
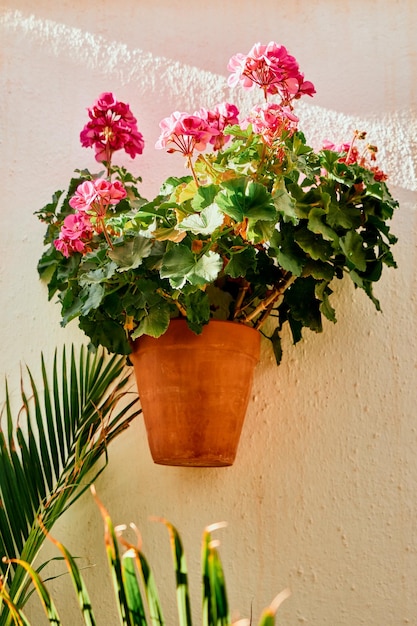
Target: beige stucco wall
{"points": [[323, 495]]}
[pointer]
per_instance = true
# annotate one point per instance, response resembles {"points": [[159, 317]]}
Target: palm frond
{"points": [[55, 448]]}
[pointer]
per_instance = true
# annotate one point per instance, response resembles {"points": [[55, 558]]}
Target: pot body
{"points": [[194, 391]]}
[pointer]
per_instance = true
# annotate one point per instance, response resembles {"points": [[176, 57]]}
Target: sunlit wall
{"points": [[322, 497]]}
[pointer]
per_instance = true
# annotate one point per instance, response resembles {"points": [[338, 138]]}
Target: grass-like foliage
{"points": [[135, 589]]}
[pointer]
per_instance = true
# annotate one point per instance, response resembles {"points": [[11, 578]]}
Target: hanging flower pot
{"points": [[194, 391]]}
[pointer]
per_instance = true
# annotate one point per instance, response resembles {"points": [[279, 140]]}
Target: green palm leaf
{"points": [[215, 604], [49, 449], [46, 599], [181, 575], [78, 582]]}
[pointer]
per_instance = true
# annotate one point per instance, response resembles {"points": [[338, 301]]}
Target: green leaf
{"points": [[313, 198], [114, 561], [171, 183], [240, 262], [79, 584], [181, 575], [97, 276], [303, 304], [259, 231], [215, 603], [220, 302], [106, 332], [204, 197], [197, 304], [177, 263], [343, 216], [133, 594], [317, 225], [44, 595], [288, 254], [323, 292], [180, 265], [204, 223], [313, 245], [285, 205], [91, 298], [289, 260], [131, 254], [206, 269], [154, 323], [242, 197], [352, 246], [319, 270], [276, 345], [366, 285], [152, 596]]}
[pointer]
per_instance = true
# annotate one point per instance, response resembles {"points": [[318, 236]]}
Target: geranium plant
{"points": [[257, 231]]}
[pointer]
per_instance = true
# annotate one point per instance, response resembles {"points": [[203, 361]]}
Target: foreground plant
{"points": [[136, 594], [51, 451], [259, 230]]}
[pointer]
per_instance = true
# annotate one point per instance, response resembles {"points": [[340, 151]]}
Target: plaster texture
{"points": [[323, 495]]}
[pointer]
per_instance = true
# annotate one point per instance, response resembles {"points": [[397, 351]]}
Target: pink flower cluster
{"points": [[185, 133], [272, 121], [112, 127], [224, 114], [91, 202], [273, 69], [96, 196], [351, 155], [75, 235]]}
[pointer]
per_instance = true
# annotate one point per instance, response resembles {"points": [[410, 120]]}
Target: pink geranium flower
{"points": [[97, 195], [91, 201], [224, 114], [272, 121], [183, 133], [273, 69], [236, 66], [112, 127], [351, 154], [75, 235], [84, 196], [109, 192]]}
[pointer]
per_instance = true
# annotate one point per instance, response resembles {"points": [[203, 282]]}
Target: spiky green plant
{"points": [[51, 451], [134, 585]]}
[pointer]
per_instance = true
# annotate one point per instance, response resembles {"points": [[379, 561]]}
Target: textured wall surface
{"points": [[322, 497]]}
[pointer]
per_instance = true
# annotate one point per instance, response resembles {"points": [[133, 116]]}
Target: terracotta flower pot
{"points": [[194, 391]]}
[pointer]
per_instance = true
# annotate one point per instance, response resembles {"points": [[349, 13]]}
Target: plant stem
{"points": [[267, 304], [239, 300], [209, 167], [179, 306], [105, 233], [191, 166]]}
